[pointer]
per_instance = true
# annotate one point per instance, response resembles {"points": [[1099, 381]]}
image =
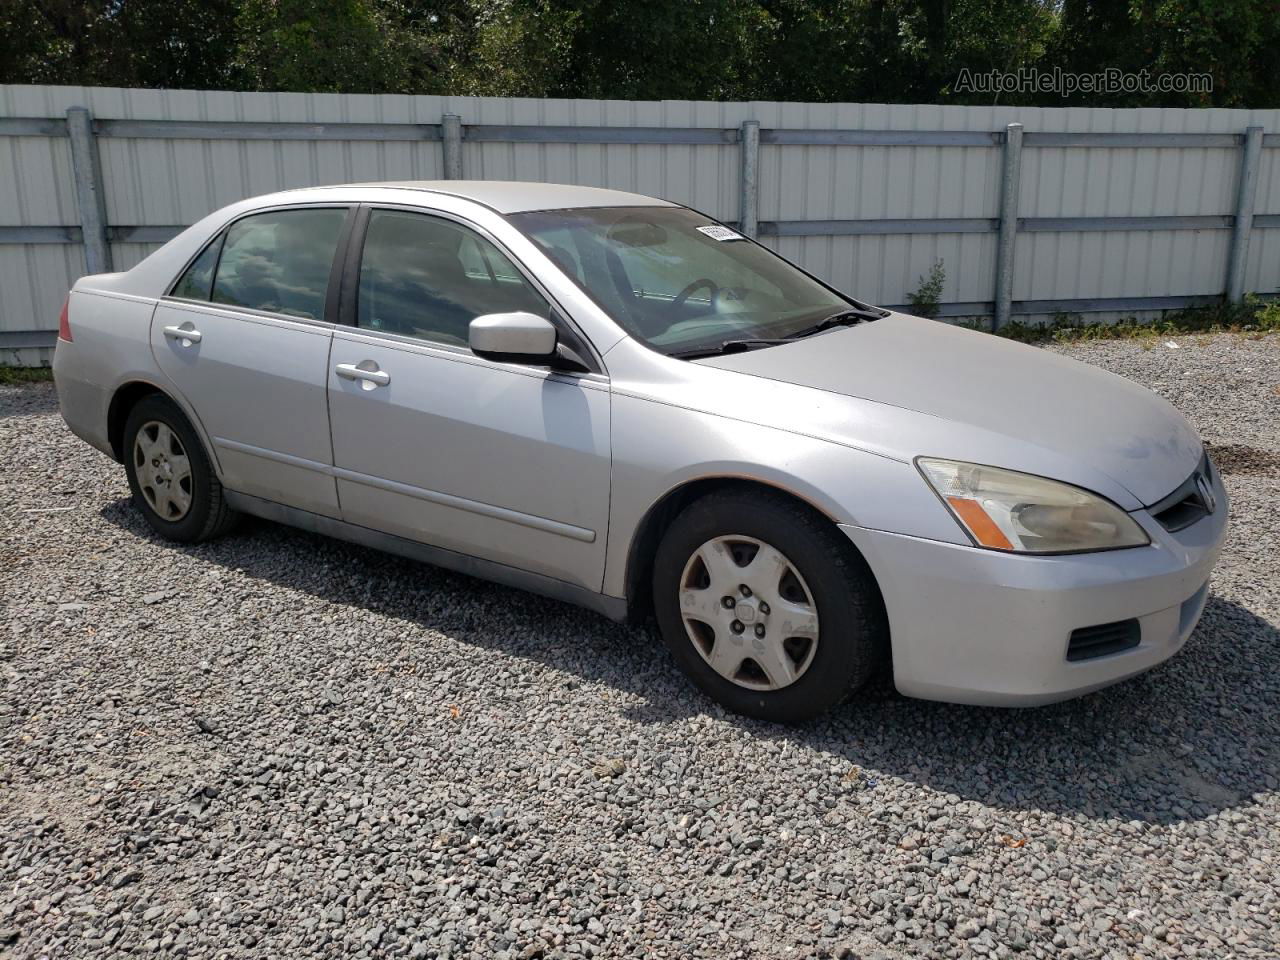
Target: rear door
{"points": [[504, 462], [244, 335]]}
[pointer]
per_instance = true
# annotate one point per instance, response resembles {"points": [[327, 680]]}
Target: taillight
{"points": [[64, 322]]}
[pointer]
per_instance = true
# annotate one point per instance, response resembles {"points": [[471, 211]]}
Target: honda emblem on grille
{"points": [[1205, 489]]}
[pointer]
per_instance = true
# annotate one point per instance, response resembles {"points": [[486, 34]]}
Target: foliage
{"points": [[927, 297], [1249, 316], [882, 51], [1268, 318], [1223, 38], [14, 375], [663, 49], [512, 49], [135, 43]]}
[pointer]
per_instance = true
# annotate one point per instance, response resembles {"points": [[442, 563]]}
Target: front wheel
{"points": [[172, 481], [765, 606]]}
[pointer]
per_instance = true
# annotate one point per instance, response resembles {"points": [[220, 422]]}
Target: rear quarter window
{"points": [[197, 282]]}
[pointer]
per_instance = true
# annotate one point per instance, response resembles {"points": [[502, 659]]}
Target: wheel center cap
{"points": [[745, 611]]}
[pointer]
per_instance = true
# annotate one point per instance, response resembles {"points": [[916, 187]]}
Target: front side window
{"points": [[674, 279], [426, 277], [279, 262]]}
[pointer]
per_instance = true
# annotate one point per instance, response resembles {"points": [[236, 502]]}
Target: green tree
{"points": [[335, 46], [514, 48], [888, 51], [129, 43], [1234, 41], [662, 49]]}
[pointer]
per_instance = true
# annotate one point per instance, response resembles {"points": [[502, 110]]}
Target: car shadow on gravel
{"points": [[1198, 735]]}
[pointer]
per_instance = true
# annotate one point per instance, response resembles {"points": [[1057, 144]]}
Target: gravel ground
{"points": [[282, 746]]}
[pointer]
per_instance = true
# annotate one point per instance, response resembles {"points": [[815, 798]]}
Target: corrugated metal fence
{"points": [[1033, 211]]}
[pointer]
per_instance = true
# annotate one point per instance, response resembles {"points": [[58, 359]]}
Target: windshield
{"points": [[675, 279]]}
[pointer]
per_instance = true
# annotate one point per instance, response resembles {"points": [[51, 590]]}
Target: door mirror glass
{"points": [[517, 337]]}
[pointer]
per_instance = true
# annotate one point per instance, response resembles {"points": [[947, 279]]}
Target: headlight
{"points": [[1007, 510]]}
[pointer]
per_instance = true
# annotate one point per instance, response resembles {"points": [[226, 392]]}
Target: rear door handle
{"points": [[189, 334], [369, 378]]}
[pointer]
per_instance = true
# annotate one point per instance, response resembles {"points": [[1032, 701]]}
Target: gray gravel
{"points": [[281, 746]]}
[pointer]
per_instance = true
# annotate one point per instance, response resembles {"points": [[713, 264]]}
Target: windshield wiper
{"points": [[730, 346], [845, 318]]}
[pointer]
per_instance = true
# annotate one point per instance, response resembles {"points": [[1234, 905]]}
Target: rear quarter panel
{"points": [[110, 347], [110, 334]]}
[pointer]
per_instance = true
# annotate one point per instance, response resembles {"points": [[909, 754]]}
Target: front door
{"points": [[244, 339], [498, 461]]}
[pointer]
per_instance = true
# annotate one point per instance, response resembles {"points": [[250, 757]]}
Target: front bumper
{"points": [[977, 626]]}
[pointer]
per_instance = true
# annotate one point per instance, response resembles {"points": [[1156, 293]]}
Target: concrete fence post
{"points": [[749, 206], [91, 203], [1010, 178], [1242, 225], [451, 137]]}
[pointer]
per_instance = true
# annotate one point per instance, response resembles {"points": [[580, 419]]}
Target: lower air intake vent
{"points": [[1107, 638]]}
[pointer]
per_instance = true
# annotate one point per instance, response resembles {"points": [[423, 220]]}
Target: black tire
{"points": [[208, 515], [853, 629]]}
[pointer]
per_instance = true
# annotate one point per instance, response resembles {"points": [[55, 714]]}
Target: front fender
{"points": [[658, 448]]}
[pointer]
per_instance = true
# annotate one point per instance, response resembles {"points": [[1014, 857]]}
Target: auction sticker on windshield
{"points": [[716, 232]]}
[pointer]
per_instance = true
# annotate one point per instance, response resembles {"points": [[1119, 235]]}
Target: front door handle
{"points": [[368, 378], [188, 335]]}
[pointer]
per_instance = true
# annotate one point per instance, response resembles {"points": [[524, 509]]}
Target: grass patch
{"points": [[13, 375], [1250, 316]]}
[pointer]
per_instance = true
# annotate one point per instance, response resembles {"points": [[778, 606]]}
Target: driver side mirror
{"points": [[518, 337]]}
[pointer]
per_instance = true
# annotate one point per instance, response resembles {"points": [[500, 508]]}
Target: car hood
{"points": [[1065, 419]]}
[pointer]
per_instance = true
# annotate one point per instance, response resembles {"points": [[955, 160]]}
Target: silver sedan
{"points": [[619, 402]]}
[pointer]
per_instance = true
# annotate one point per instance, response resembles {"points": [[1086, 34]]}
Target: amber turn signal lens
{"points": [[979, 524]]}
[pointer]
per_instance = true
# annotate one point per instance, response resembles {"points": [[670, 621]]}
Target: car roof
{"points": [[515, 196]]}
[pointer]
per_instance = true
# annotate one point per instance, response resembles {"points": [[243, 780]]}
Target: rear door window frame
{"points": [[333, 284]]}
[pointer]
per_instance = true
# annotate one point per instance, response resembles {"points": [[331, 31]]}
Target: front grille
{"points": [[1183, 513], [1103, 640], [1186, 505]]}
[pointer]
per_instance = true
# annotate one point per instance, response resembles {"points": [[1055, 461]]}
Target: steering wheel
{"points": [[684, 294]]}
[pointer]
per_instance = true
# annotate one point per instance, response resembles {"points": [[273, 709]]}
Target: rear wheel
{"points": [[172, 481], [765, 606]]}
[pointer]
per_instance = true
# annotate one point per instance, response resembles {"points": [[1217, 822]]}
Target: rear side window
{"points": [[197, 281], [279, 262], [422, 276]]}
